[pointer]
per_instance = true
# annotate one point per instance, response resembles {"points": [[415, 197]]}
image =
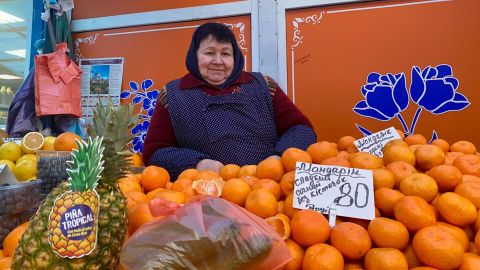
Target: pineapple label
{"points": [[73, 224]]}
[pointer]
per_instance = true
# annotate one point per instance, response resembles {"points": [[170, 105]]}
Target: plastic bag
{"points": [[206, 233], [57, 84]]}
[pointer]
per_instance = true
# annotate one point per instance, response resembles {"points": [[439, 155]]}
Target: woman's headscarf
{"points": [[220, 33]]}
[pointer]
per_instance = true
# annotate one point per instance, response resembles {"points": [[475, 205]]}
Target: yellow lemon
{"points": [[25, 170], [31, 142], [10, 151], [48, 143], [27, 156], [9, 163]]}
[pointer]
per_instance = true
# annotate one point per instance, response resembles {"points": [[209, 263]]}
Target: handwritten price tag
{"points": [[349, 190], [374, 143]]}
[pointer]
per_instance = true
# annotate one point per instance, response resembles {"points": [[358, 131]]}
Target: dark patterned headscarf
{"points": [[220, 33]]}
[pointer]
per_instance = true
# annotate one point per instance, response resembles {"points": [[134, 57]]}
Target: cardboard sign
{"points": [[374, 143], [6, 176], [348, 190]]}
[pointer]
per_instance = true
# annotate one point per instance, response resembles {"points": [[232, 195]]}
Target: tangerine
{"points": [[230, 171], [420, 185], [364, 160], [154, 177], [415, 139], [468, 164], [414, 212], [385, 199], [262, 203], [269, 185], [297, 253], [345, 142], [287, 182], [444, 145], [138, 215], [236, 191], [446, 176], [66, 141], [321, 150], [465, 147], [456, 209], [385, 259], [270, 168], [309, 227], [293, 155], [388, 233], [428, 156], [322, 256], [352, 240]]}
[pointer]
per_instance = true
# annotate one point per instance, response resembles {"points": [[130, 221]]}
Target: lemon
{"points": [[10, 151], [9, 163], [48, 143], [31, 142], [27, 156], [25, 170]]}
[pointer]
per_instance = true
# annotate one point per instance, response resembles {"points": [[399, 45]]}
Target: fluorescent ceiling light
{"points": [[20, 53], [9, 77], [9, 18]]}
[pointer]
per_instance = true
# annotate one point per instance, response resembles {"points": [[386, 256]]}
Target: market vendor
{"points": [[219, 114]]}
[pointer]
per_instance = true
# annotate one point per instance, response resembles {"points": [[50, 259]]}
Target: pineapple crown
{"points": [[86, 166], [114, 125]]}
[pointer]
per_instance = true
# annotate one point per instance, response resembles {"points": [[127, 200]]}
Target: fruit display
{"points": [[21, 197], [34, 250], [427, 202]]}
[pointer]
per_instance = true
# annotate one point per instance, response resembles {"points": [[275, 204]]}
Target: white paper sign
{"points": [[350, 190], [6, 176], [374, 143]]}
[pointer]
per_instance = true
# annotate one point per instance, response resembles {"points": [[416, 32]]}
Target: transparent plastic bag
{"points": [[206, 233]]}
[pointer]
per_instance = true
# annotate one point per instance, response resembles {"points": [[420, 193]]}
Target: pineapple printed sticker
{"points": [[73, 221]]}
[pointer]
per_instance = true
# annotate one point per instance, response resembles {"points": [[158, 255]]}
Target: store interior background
{"points": [[14, 26]]}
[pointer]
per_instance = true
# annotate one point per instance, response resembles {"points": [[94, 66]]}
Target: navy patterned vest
{"points": [[236, 128]]}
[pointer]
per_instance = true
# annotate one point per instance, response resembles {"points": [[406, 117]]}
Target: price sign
{"points": [[374, 143], [6, 176], [321, 187]]}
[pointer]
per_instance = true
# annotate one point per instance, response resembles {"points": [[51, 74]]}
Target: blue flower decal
{"points": [[385, 96], [140, 132], [434, 89], [142, 94], [150, 101]]}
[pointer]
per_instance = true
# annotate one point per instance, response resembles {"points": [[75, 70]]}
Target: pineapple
{"points": [[72, 230], [34, 250]]}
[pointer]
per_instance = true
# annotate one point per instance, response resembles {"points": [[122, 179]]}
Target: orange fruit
{"points": [[10, 242], [385, 199], [188, 173], [229, 171], [250, 180], [459, 234], [468, 164], [132, 177], [385, 259], [444, 145], [395, 142], [288, 208], [321, 150], [336, 161], [280, 223], [470, 262], [345, 142], [466, 178], [287, 182], [388, 233], [465, 147], [414, 212], [344, 154], [134, 197], [451, 156], [270, 168], [420, 185], [5, 263], [414, 147], [206, 175], [236, 191], [209, 187], [66, 141], [269, 185], [137, 160], [297, 253], [436, 247], [170, 195], [398, 152], [456, 209], [470, 191], [280, 207], [154, 177], [446, 176], [363, 160], [415, 139], [248, 170], [400, 169], [127, 186], [352, 240], [138, 215], [411, 257], [309, 227], [182, 183], [428, 156], [383, 178], [261, 202], [322, 256], [401, 133], [290, 157], [152, 193]]}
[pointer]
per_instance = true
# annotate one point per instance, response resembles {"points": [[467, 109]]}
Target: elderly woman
{"points": [[219, 114]]}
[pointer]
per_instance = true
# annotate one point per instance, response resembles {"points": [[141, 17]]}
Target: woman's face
{"points": [[215, 60]]}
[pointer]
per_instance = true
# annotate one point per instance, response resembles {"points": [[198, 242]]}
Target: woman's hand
{"points": [[209, 164]]}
